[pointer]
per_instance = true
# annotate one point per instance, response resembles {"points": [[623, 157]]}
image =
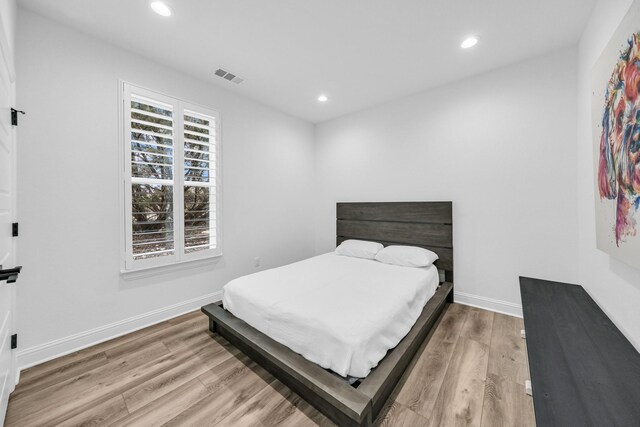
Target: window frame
{"points": [[179, 106]]}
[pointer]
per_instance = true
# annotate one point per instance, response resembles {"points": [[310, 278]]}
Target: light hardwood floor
{"points": [[470, 373]]}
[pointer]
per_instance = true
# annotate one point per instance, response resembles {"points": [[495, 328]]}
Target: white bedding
{"points": [[340, 312]]}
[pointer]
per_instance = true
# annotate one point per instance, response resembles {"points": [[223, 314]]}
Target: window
{"points": [[171, 185]]}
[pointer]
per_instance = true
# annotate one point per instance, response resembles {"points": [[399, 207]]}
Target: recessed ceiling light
{"points": [[469, 42], [323, 98], [161, 8]]}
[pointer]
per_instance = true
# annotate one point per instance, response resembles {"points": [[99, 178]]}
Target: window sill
{"points": [[141, 273]]}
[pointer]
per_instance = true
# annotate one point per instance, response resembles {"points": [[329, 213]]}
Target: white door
{"points": [[7, 217]]}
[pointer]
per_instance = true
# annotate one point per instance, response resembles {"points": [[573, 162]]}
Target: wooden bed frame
{"points": [[424, 224]]}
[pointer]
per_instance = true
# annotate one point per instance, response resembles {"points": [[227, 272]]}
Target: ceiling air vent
{"points": [[228, 76]]}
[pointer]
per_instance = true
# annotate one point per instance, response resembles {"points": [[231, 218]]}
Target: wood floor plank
{"points": [[478, 325], [506, 404], [178, 373], [397, 415], [229, 371], [156, 387], [202, 343], [202, 358], [184, 332], [68, 389], [76, 367], [163, 409], [104, 414], [452, 322], [245, 378], [275, 405], [211, 352], [195, 314], [197, 338], [459, 401], [294, 411], [421, 388], [128, 345], [248, 380], [104, 390], [508, 353], [27, 375], [208, 411]]}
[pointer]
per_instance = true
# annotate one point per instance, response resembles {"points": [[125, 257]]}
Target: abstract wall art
{"points": [[616, 140]]}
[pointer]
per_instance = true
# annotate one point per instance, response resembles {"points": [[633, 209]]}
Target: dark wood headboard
{"points": [[425, 224]]}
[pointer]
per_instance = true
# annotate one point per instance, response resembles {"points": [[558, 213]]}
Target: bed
{"points": [[304, 304], [340, 312]]}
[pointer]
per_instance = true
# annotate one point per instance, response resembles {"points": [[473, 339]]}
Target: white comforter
{"points": [[340, 312]]}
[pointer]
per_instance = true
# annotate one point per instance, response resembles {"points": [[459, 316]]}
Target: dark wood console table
{"points": [[584, 372]]}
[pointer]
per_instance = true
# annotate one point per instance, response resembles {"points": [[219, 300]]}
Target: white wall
{"points": [[8, 16], [614, 285], [71, 292], [499, 145]]}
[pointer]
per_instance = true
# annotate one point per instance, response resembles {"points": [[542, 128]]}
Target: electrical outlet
{"points": [[256, 262]]}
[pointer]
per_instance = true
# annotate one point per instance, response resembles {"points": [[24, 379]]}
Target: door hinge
{"points": [[14, 229], [14, 341], [14, 116], [10, 274]]}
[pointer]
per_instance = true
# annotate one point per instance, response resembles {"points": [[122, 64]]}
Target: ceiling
{"points": [[359, 53]]}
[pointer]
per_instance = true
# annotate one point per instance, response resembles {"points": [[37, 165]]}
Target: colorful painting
{"points": [[616, 111]]}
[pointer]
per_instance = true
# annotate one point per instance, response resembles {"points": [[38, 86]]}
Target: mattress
{"points": [[340, 312]]}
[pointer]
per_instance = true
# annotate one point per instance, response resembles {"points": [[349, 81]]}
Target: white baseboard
{"points": [[490, 304], [63, 346]]}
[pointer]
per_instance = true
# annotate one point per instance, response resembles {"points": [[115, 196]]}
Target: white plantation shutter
{"points": [[152, 184], [199, 182], [172, 187]]}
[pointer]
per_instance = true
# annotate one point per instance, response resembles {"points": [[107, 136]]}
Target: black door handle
{"points": [[10, 274]]}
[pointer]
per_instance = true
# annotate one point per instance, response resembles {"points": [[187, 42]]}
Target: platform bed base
{"points": [[343, 404]]}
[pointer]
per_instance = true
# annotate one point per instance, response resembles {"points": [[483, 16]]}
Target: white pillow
{"points": [[359, 249], [407, 256]]}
